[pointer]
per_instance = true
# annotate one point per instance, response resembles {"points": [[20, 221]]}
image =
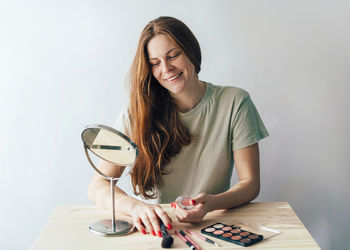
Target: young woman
{"points": [[189, 132]]}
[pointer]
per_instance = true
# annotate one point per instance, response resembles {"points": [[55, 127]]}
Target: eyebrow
{"points": [[165, 53]]}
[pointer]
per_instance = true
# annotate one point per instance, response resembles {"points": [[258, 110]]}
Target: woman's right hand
{"points": [[146, 218]]}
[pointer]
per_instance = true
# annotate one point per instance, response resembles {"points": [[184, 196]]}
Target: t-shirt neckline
{"points": [[201, 104]]}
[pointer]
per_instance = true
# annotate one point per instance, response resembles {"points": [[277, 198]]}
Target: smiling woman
{"points": [[190, 134]]}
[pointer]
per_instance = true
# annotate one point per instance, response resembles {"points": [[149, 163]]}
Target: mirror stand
{"points": [[108, 227], [112, 146], [111, 227]]}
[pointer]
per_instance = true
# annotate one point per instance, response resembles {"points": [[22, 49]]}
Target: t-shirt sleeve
{"points": [[247, 127], [123, 123]]}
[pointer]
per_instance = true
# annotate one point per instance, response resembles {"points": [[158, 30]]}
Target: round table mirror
{"points": [[113, 146]]}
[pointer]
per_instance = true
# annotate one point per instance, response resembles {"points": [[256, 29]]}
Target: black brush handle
{"points": [[163, 229]]}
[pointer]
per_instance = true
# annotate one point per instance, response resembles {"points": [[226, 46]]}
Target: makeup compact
{"points": [[233, 234], [184, 201]]}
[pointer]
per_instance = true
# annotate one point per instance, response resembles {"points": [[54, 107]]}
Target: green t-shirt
{"points": [[224, 120]]}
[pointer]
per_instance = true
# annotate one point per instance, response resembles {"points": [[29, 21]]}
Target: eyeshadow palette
{"points": [[233, 234]]}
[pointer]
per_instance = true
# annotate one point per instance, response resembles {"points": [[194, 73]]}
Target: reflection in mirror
{"points": [[110, 145], [113, 146]]}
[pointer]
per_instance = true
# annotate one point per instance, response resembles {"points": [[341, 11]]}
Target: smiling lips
{"points": [[173, 77]]}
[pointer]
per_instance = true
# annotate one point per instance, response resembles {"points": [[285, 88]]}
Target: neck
{"points": [[191, 97]]}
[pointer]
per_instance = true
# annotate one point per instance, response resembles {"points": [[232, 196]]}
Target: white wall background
{"points": [[63, 65]]}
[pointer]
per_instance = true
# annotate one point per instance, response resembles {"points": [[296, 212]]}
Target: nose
{"points": [[166, 67]]}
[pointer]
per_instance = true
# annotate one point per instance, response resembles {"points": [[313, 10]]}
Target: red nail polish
{"points": [[172, 204], [193, 202], [154, 233], [159, 234], [169, 226], [143, 231]]}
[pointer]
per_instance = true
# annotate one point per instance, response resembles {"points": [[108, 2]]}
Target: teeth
{"points": [[173, 78]]}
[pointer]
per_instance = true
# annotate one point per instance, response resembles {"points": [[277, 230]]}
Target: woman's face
{"points": [[170, 66]]}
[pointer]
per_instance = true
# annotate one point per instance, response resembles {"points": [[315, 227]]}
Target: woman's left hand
{"points": [[202, 204]]}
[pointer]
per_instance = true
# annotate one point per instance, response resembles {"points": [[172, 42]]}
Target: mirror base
{"points": [[104, 228]]}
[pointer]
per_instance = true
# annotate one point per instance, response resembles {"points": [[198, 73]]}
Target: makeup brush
{"points": [[167, 238]]}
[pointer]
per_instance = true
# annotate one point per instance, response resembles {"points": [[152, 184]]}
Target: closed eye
{"points": [[154, 64], [176, 55]]}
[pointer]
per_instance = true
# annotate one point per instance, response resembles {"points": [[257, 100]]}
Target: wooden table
{"points": [[68, 228]]}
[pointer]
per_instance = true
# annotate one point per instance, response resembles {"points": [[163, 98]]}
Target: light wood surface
{"points": [[68, 228]]}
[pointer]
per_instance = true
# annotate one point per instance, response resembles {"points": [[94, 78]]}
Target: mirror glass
{"points": [[109, 144]]}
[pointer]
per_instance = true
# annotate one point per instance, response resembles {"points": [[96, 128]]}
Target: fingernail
{"points": [[193, 202], [154, 233], [169, 226], [143, 231], [159, 234], [172, 204]]}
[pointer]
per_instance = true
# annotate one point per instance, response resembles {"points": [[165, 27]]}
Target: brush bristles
{"points": [[167, 241]]}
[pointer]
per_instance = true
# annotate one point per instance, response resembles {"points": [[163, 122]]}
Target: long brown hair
{"points": [[155, 124]]}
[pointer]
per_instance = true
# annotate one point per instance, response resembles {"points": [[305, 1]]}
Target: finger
{"points": [[199, 206], [139, 226], [188, 219], [154, 221], [147, 223], [173, 205], [201, 198], [193, 215], [164, 217], [182, 213]]}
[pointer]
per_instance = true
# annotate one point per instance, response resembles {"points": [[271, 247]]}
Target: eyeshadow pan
{"points": [[253, 236], [245, 240], [236, 237], [235, 231], [244, 234], [218, 232], [226, 228], [218, 226], [226, 235], [209, 229]]}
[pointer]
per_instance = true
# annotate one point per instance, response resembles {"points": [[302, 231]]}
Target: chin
{"points": [[176, 88]]}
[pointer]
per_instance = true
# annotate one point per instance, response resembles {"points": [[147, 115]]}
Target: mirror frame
{"points": [[87, 148]]}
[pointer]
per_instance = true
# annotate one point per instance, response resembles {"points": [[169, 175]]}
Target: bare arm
{"points": [[248, 186], [99, 189], [144, 216], [245, 190]]}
